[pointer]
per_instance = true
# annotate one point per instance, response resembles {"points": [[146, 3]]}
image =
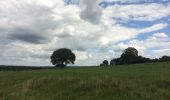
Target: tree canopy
{"points": [[129, 55], [63, 56], [104, 63]]}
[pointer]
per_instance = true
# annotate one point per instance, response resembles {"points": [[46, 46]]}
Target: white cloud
{"points": [[160, 35], [142, 12], [161, 52], [155, 27], [154, 46]]}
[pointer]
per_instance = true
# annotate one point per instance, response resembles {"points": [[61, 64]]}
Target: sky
{"points": [[95, 30]]}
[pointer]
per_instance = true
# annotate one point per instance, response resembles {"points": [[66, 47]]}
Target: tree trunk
{"points": [[62, 64]]}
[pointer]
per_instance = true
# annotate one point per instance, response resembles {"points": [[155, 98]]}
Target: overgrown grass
{"points": [[127, 82]]}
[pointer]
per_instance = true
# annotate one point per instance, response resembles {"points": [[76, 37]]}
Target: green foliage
{"points": [[165, 58], [131, 51], [104, 63], [129, 56], [112, 62], [124, 82], [62, 57]]}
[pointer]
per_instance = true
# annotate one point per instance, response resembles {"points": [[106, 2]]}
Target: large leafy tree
{"points": [[62, 57], [129, 56], [130, 51]]}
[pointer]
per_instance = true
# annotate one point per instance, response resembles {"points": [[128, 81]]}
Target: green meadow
{"points": [[124, 82]]}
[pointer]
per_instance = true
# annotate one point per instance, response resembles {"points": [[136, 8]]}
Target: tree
{"points": [[129, 56], [164, 58], [130, 51], [112, 62], [104, 63], [141, 59], [118, 61], [62, 57], [101, 65]]}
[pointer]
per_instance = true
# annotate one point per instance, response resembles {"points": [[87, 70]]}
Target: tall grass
{"points": [[128, 82]]}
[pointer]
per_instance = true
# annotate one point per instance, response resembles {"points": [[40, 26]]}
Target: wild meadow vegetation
{"points": [[124, 82]]}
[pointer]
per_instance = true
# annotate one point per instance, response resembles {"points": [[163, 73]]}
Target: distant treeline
{"points": [[130, 56], [17, 68]]}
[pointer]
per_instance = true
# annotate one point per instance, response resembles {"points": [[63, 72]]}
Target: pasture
{"points": [[124, 82]]}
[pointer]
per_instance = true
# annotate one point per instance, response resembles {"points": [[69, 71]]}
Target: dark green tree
{"points": [[112, 62], [62, 57], [165, 58], [129, 56], [105, 63]]}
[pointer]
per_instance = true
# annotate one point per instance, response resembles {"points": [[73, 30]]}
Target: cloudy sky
{"points": [[30, 30]]}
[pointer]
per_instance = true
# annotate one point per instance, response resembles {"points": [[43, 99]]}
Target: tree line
{"points": [[130, 56], [63, 56]]}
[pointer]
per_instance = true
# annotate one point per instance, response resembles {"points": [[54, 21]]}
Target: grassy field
{"points": [[128, 82]]}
